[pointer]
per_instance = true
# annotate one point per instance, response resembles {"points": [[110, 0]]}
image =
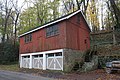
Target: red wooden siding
{"points": [[77, 34], [71, 35], [41, 43]]}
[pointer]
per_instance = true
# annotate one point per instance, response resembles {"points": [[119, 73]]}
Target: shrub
{"points": [[8, 53]]}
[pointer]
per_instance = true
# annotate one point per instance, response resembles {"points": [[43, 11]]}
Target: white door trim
{"points": [[44, 52], [44, 57]]}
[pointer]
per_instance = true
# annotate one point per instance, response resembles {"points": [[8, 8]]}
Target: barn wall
{"points": [[77, 33], [42, 43], [72, 35]]}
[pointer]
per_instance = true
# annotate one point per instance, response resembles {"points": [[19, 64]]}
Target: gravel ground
{"points": [[9, 75], [98, 74], [26, 74]]}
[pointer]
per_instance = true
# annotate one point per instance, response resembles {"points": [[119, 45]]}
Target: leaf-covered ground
{"points": [[98, 74], [93, 75]]}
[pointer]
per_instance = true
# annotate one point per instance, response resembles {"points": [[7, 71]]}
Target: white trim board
{"points": [[67, 17], [45, 52]]}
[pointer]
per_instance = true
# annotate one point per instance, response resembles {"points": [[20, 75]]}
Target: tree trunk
{"points": [[114, 37], [16, 28], [116, 12]]}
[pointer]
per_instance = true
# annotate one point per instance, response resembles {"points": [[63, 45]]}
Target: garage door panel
{"points": [[35, 63], [25, 62], [50, 63], [28, 63], [55, 62], [58, 62], [57, 66], [51, 66], [38, 63], [41, 63]]}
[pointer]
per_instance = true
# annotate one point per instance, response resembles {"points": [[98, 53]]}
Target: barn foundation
{"points": [[71, 58]]}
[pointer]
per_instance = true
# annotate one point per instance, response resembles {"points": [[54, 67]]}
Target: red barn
{"points": [[55, 45]]}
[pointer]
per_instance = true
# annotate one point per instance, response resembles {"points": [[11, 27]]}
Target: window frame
{"points": [[28, 38], [52, 31]]}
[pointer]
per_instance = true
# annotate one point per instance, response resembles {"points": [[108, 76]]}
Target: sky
{"points": [[21, 2]]}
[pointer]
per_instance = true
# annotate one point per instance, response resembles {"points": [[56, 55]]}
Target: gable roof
{"points": [[55, 21]]}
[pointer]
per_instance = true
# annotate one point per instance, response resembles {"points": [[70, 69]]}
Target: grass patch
{"points": [[11, 67]]}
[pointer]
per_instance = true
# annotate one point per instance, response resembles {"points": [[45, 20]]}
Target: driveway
{"points": [[9, 75]]}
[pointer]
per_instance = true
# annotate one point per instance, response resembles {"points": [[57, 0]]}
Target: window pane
{"points": [[51, 55], [52, 33], [26, 56], [35, 56], [40, 55], [56, 27], [47, 34], [58, 54], [25, 39], [52, 30], [28, 38]]}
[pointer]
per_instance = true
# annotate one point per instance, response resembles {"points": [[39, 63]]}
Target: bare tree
{"points": [[68, 5], [15, 17], [80, 4], [10, 14], [116, 11], [115, 16], [83, 4], [7, 9]]}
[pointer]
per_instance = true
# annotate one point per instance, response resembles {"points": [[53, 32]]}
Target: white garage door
{"points": [[25, 61], [55, 61], [38, 61]]}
